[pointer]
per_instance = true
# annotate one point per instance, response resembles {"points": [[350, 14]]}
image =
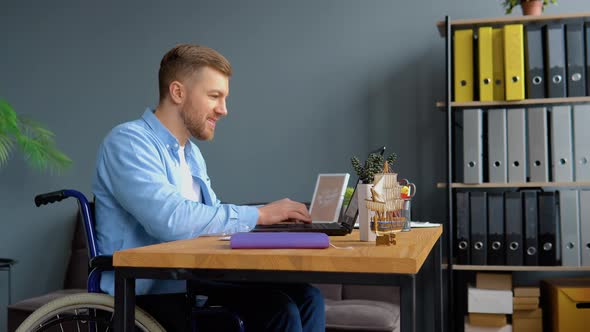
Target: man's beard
{"points": [[197, 128]]}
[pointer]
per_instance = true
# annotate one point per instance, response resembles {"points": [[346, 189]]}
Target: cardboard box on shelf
{"points": [[493, 320], [489, 301], [527, 291], [527, 324], [525, 306], [499, 281], [535, 313], [525, 300], [473, 328], [568, 303]]}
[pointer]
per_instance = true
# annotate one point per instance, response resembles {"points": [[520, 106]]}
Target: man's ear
{"points": [[176, 92]]}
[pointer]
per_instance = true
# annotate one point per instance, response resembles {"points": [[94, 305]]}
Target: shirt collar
{"points": [[159, 129]]}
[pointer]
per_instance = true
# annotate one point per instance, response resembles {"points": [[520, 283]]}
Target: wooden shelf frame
{"points": [[457, 267], [442, 185], [517, 103], [508, 20]]}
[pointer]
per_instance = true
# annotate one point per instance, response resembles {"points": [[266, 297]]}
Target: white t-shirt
{"points": [[189, 188]]}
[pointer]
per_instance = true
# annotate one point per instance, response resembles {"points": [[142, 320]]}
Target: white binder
{"points": [[515, 120], [569, 215], [585, 227], [581, 122], [497, 146], [472, 146], [561, 144], [537, 140]]}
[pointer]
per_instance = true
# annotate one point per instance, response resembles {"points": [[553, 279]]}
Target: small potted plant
{"points": [[34, 140], [529, 7]]}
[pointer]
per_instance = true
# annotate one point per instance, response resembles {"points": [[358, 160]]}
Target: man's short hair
{"points": [[185, 59]]}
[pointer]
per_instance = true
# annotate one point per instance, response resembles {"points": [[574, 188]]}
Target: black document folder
{"points": [[531, 242], [555, 60], [496, 244], [576, 73], [535, 66], [462, 237], [513, 228], [479, 221], [549, 237], [587, 59]]}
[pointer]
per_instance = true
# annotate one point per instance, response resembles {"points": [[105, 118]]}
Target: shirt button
{"points": [[176, 145], [167, 146]]}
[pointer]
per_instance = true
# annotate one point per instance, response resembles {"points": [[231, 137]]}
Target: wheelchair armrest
{"points": [[102, 262]]}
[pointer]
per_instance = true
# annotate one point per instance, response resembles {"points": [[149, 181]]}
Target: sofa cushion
{"points": [[362, 315], [19, 311]]}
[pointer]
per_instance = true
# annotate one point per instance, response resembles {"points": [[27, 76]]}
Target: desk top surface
{"points": [[406, 257]]}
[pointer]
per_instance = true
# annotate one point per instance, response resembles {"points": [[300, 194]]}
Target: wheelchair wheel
{"points": [[83, 312]]}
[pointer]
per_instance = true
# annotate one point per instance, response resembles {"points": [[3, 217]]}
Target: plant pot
{"points": [[364, 192], [533, 7]]}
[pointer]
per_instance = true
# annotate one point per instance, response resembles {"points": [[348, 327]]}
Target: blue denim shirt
{"points": [[138, 199]]}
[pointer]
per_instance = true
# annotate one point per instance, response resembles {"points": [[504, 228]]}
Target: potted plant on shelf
{"points": [[35, 142], [529, 7]]}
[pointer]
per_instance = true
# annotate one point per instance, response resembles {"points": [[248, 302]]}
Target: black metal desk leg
{"points": [[408, 305], [9, 284], [438, 287], [124, 302]]}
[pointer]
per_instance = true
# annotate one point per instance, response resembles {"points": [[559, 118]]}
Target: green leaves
{"points": [[36, 142], [373, 165]]}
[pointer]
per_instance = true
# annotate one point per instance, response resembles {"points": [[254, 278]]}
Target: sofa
{"points": [[348, 307]]}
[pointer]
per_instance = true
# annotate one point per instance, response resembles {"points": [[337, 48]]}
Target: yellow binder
{"points": [[486, 73], [514, 61], [463, 65], [498, 60]]}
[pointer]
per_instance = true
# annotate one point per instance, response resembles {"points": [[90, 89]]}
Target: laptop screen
{"points": [[349, 216], [328, 196]]}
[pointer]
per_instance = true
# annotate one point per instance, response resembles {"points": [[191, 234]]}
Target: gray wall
{"points": [[315, 82]]}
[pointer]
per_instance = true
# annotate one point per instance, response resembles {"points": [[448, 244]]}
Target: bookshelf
{"points": [[442, 185], [519, 103], [457, 272]]}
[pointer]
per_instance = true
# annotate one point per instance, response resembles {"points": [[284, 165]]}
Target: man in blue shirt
{"points": [[151, 186]]}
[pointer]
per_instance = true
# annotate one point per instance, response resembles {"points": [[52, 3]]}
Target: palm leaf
{"points": [[36, 142], [6, 145]]}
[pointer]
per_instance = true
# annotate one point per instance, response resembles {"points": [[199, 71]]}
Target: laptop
{"points": [[343, 226]]}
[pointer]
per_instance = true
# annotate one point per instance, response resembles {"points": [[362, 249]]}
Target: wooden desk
{"points": [[212, 259]]}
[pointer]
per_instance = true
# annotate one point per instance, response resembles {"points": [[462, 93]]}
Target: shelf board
{"points": [[518, 268], [441, 185], [507, 20], [524, 102]]}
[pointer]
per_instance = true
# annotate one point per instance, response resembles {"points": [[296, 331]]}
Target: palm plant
{"points": [[35, 142]]}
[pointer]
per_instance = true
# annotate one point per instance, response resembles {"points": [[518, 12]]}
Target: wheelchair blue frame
{"points": [[99, 263]]}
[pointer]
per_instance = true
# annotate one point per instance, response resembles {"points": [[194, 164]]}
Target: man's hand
{"points": [[282, 210]]}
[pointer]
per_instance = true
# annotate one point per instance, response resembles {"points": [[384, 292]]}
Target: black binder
{"points": [[531, 242], [576, 73], [462, 237], [496, 244], [555, 60], [549, 236], [479, 221], [535, 62], [587, 59], [513, 228]]}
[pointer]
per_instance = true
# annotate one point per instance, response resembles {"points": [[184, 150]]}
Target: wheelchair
{"points": [[94, 310]]}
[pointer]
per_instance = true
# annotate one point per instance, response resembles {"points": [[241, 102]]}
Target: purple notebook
{"points": [[279, 240]]}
